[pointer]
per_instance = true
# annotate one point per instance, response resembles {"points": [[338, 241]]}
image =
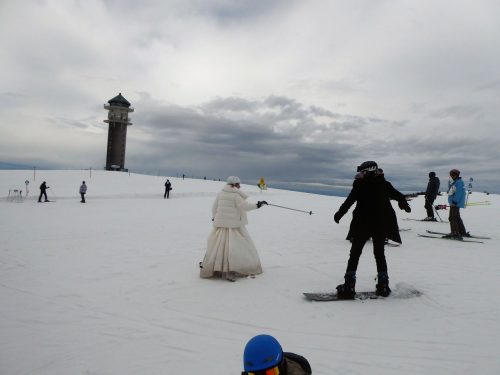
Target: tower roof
{"points": [[120, 101]]}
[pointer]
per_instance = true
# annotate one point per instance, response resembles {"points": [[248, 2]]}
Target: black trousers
{"points": [[456, 223], [167, 193], [378, 250], [83, 197], [44, 193], [428, 207]]}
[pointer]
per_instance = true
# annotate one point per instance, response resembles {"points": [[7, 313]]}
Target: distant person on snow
{"points": [[83, 191], [263, 355], [456, 201], [168, 187], [430, 195], [43, 191], [373, 217], [231, 252]]}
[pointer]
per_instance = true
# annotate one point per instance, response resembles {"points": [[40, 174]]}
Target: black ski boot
{"points": [[347, 290], [382, 286]]}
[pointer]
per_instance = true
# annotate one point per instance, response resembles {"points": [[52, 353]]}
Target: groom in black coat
{"points": [[373, 218]]}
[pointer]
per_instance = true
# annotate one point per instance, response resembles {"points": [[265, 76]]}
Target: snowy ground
{"points": [[112, 286]]}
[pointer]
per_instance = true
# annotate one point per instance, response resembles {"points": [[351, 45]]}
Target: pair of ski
{"points": [[427, 221], [439, 235]]}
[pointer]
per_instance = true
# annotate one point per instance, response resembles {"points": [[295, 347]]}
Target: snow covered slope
{"points": [[112, 286]]}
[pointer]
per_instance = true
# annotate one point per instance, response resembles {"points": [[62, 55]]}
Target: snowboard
{"points": [[400, 291], [324, 297]]}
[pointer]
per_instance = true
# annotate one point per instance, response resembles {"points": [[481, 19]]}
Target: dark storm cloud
{"points": [[292, 90], [285, 140], [277, 137]]}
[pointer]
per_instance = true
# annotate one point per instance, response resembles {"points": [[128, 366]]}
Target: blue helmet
{"points": [[261, 353]]}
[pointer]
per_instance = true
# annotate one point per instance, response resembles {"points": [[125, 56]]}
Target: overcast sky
{"points": [[296, 91]]}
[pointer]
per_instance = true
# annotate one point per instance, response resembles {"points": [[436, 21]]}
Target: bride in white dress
{"points": [[231, 252]]}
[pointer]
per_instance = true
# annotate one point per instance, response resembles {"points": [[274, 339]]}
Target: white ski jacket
{"points": [[230, 207]]}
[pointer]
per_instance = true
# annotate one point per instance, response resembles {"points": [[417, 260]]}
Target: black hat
{"points": [[432, 174], [369, 166]]}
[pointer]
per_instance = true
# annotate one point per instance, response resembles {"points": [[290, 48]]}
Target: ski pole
{"points": [[52, 191], [436, 211], [288, 208]]}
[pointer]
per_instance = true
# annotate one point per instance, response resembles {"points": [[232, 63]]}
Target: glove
{"points": [[260, 203], [404, 206], [337, 217]]}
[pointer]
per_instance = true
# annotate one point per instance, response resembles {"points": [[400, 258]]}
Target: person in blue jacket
{"points": [[456, 201]]}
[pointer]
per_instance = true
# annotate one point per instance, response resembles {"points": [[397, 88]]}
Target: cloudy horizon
{"points": [[295, 91]]}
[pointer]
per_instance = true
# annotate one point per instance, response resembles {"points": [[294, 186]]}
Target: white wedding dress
{"points": [[230, 253]]}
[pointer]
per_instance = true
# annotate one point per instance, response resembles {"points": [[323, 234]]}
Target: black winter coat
{"points": [[373, 215], [432, 188]]}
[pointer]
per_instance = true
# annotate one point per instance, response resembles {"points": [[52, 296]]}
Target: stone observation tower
{"points": [[118, 121]]}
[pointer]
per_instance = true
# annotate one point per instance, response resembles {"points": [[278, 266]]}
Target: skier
{"points": [[263, 355], [373, 217], [430, 195], [231, 252], [168, 187], [43, 191], [456, 201], [83, 191]]}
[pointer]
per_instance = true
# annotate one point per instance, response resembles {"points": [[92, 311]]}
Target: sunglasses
{"points": [[269, 371]]}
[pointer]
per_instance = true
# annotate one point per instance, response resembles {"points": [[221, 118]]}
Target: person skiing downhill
{"points": [[373, 217], [430, 195], [263, 355], [231, 252], [456, 201]]}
